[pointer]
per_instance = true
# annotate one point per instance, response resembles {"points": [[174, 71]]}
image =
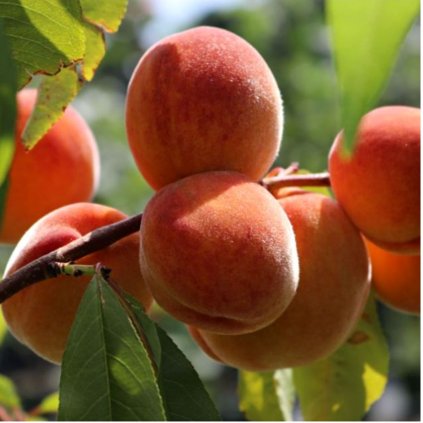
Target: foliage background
{"points": [[292, 37]]}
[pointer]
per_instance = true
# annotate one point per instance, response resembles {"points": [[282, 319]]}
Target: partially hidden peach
{"points": [[62, 168], [41, 315], [218, 251], [396, 278], [202, 100], [379, 185], [332, 291]]}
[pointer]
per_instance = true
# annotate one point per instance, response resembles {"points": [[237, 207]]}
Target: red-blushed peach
{"points": [[62, 168], [202, 100], [218, 251], [379, 185], [332, 291], [41, 315], [396, 278]]}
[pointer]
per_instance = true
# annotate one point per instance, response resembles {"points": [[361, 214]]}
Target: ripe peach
{"points": [[379, 186], [217, 251], [333, 287], [396, 278], [41, 315], [201, 100], [62, 168]]}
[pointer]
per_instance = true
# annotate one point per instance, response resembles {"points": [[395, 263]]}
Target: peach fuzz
{"points": [[217, 251], [396, 278], [379, 185], [332, 291], [41, 315], [62, 168], [202, 100]]}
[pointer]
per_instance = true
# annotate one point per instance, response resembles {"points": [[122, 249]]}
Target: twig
{"points": [[307, 180], [45, 266]]}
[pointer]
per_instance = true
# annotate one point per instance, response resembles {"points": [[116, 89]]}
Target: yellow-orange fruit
{"points": [[62, 168], [333, 287], [396, 278], [41, 315], [217, 251], [201, 100], [379, 186]]}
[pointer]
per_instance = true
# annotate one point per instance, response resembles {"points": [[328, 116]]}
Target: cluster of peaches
{"points": [[263, 278]]}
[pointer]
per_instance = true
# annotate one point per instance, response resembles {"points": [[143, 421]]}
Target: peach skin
{"points": [[201, 100], [62, 168], [41, 315], [218, 251], [332, 291], [379, 185]]}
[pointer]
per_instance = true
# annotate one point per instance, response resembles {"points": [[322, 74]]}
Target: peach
{"points": [[62, 168], [202, 100], [333, 288], [41, 315], [396, 278], [218, 251], [379, 185]]}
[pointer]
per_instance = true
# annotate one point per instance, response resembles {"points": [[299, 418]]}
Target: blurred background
{"points": [[292, 37]]}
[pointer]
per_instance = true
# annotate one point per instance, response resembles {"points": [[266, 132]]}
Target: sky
{"points": [[170, 15]]}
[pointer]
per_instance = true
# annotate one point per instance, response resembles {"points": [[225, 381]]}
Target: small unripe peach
{"points": [[62, 168], [218, 251], [379, 185], [202, 100], [41, 315]]}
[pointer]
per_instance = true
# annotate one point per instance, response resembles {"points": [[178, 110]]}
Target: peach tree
{"points": [[227, 246]]}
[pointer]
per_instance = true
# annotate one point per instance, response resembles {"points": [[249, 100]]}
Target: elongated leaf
{"points": [[8, 395], [8, 88], [107, 15], [49, 405], [54, 94], [258, 398], [346, 384], [285, 392], [106, 371], [183, 393], [366, 36], [3, 327]]}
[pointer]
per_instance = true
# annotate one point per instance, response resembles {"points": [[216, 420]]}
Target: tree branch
{"points": [[44, 267], [288, 180]]}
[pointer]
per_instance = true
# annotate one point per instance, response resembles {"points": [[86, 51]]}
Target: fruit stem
{"points": [[44, 267], [287, 180]]}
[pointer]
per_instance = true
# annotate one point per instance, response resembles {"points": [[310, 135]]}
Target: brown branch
{"points": [[44, 266], [307, 180]]}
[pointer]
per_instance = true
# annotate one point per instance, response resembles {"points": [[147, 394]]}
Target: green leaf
{"points": [[346, 384], [95, 51], [8, 88], [366, 37], [49, 405], [3, 327], [285, 392], [45, 35], [106, 371], [54, 94], [266, 396], [107, 15], [184, 395], [8, 395]]}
